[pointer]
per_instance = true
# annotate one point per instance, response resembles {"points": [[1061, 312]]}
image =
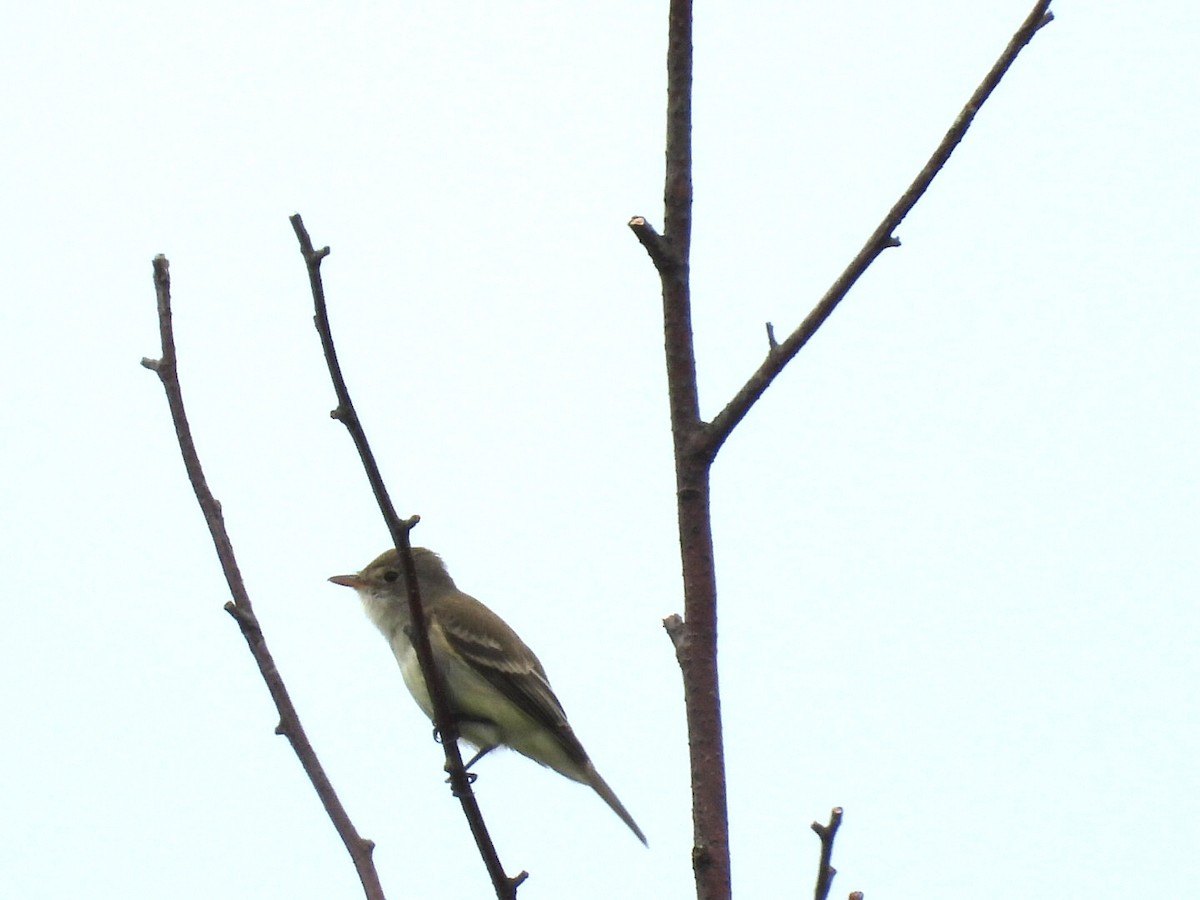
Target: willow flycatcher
{"points": [[498, 691]]}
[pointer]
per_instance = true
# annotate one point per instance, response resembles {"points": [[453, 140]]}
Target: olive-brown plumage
{"points": [[498, 690]]}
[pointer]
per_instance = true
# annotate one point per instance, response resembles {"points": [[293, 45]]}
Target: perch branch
{"points": [[460, 782]]}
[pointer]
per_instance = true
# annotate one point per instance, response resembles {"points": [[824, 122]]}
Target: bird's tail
{"points": [[600, 786]]}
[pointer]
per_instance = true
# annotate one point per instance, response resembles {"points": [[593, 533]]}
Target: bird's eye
{"points": [[390, 575]]}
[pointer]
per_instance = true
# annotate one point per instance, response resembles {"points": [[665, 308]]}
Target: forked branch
{"points": [[825, 870], [696, 442]]}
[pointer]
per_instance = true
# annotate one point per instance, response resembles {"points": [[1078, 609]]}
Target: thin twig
{"points": [[240, 608], [881, 239], [460, 782], [826, 871]]}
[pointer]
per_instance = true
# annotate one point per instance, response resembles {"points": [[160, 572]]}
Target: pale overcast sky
{"points": [[956, 542]]}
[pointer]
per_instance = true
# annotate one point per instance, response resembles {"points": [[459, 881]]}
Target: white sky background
{"points": [[956, 541]]}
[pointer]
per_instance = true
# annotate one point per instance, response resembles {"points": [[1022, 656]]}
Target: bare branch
{"points": [[460, 781], [881, 239], [360, 848]]}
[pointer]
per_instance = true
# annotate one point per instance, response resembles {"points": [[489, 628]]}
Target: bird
{"points": [[498, 692]]}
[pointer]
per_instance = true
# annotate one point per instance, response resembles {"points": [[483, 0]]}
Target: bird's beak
{"points": [[347, 581]]}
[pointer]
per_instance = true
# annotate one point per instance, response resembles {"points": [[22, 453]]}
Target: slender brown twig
{"points": [[779, 355], [825, 870], [460, 781], [240, 608]]}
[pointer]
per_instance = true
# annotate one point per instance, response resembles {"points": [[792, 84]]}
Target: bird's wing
{"points": [[493, 649]]}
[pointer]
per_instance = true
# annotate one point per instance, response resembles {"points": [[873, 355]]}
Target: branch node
{"points": [[892, 241], [825, 871], [774, 344], [673, 625], [151, 364], [460, 780], [244, 617], [656, 245]]}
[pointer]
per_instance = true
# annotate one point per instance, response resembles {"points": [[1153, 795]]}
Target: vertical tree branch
{"points": [[696, 641], [460, 781], [360, 849], [677, 188]]}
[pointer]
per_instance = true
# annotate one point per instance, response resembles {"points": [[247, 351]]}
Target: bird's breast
{"points": [[410, 669]]}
